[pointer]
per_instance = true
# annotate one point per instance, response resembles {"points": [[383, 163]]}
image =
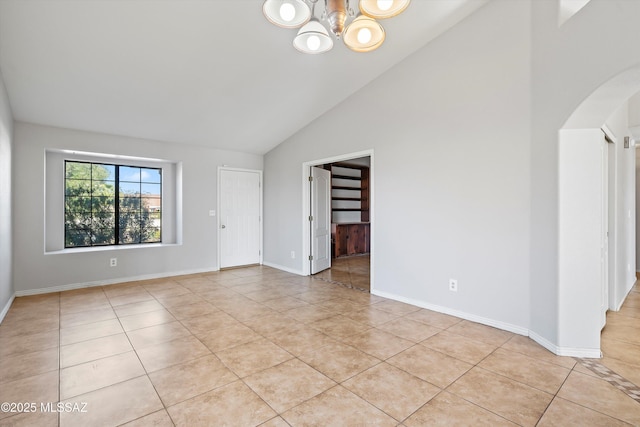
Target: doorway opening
{"points": [[350, 213], [596, 211]]}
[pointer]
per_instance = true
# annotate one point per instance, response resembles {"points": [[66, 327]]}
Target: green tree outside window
{"points": [[112, 204]]}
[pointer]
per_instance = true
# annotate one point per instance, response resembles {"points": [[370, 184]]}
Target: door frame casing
{"points": [[612, 183], [218, 213], [306, 208]]}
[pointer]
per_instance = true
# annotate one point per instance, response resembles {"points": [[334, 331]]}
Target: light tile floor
{"points": [[352, 272], [257, 346]]}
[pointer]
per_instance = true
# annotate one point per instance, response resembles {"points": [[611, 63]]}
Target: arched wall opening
{"points": [[596, 213]]}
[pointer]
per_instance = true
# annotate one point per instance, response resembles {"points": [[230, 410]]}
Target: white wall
{"points": [[35, 270], [625, 206], [637, 171], [634, 125], [449, 127], [6, 235], [568, 65], [581, 223]]}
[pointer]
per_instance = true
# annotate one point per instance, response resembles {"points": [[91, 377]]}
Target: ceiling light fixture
{"points": [[287, 13], [361, 33]]}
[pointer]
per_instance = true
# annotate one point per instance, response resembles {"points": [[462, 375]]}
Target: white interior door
{"points": [[240, 216], [320, 219]]}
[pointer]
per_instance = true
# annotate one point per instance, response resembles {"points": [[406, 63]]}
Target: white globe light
{"points": [[287, 12], [364, 35], [313, 42], [385, 4]]}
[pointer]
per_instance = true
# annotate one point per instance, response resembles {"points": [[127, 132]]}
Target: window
{"points": [[107, 204]]}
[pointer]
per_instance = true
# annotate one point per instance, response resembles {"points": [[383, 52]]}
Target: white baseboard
{"points": [[591, 353], [6, 307], [631, 285], [619, 306], [72, 286], [560, 351], [626, 294], [461, 314], [283, 268]]}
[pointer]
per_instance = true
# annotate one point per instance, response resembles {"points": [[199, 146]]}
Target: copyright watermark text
{"points": [[20, 407]]}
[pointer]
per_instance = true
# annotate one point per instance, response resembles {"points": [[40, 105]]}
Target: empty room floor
{"points": [[258, 346]]}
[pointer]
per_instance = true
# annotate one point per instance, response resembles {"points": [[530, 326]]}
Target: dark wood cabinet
{"points": [[351, 239]]}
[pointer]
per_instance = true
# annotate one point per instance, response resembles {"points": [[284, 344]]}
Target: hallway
{"points": [[621, 340]]}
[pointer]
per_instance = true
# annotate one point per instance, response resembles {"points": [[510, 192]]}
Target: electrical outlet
{"points": [[113, 262], [453, 285], [293, 254]]}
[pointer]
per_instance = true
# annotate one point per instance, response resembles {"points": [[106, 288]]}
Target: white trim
{"points": [[306, 239], [591, 353], [283, 268], [612, 208], [110, 248], [609, 133], [560, 351], [72, 286], [622, 300], [461, 314], [80, 154], [7, 306], [53, 197], [217, 237]]}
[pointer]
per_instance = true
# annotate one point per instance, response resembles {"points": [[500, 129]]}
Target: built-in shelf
{"points": [[351, 199], [354, 178], [358, 192], [343, 187], [349, 193]]}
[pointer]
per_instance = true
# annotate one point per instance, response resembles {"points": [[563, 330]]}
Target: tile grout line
{"points": [[555, 395], [477, 365], [346, 285], [296, 357], [135, 351], [612, 376], [242, 379], [619, 382]]}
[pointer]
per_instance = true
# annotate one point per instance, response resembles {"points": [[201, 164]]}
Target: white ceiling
{"points": [[211, 72]]}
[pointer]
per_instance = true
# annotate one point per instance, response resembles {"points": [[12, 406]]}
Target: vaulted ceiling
{"points": [[209, 72]]}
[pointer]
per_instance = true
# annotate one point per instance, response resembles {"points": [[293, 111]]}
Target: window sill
{"points": [[110, 248]]}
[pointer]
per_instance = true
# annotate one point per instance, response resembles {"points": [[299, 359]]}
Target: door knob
{"points": [[224, 226]]}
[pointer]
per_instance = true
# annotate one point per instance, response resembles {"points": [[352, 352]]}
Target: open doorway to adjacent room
{"points": [[345, 204], [597, 227]]}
